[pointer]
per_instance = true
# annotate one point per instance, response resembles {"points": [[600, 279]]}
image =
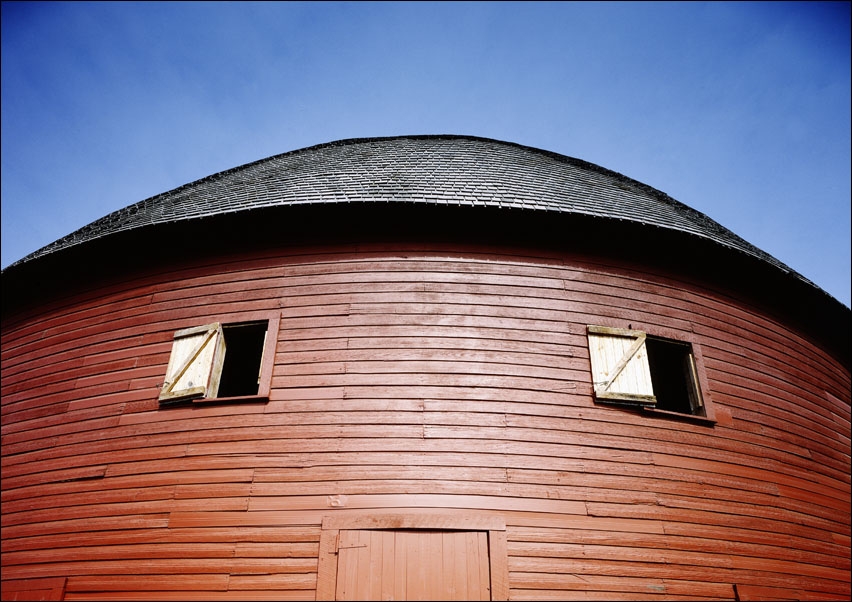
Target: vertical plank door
{"points": [[413, 565]]}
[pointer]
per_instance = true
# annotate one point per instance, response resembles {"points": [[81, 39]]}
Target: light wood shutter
{"points": [[195, 365], [620, 369]]}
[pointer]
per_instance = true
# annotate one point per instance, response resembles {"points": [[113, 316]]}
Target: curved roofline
{"points": [[351, 141], [690, 221]]}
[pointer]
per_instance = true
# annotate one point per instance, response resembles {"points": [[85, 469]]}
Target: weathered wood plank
{"points": [[279, 536], [201, 596], [147, 583], [422, 500]]}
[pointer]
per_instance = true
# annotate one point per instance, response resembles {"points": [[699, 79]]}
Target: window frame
{"points": [[267, 361], [699, 378]]}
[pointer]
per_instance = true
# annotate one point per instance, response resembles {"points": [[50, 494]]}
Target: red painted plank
{"points": [[144, 583]]}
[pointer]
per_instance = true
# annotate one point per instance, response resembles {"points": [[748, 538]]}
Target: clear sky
{"points": [[741, 110]]}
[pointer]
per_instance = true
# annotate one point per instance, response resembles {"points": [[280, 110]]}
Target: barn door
{"points": [[422, 555], [415, 564]]}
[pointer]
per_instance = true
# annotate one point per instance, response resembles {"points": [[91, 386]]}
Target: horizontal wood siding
{"points": [[407, 379]]}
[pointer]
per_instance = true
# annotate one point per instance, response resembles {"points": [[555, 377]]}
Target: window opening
{"points": [[633, 368], [220, 361], [673, 375], [243, 358]]}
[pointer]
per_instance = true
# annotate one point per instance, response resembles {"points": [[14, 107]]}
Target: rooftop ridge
{"points": [[573, 189]]}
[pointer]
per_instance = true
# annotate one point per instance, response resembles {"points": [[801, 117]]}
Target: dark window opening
{"points": [[674, 377], [244, 352], [219, 361]]}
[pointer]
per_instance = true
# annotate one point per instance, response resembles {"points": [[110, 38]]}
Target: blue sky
{"points": [[740, 110]]}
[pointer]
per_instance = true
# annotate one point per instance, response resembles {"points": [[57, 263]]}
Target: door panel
{"points": [[414, 564]]}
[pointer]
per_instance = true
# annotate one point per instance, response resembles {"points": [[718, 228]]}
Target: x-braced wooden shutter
{"points": [[620, 369], [195, 365]]}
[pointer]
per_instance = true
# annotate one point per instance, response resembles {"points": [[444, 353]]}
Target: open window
{"points": [[221, 361], [650, 372]]}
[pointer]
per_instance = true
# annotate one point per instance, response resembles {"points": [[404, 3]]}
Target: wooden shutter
{"points": [[195, 365], [620, 369], [696, 403]]}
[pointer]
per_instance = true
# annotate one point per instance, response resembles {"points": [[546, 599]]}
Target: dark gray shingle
{"points": [[420, 169]]}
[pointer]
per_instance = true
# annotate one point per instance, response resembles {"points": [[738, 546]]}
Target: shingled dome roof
{"points": [[446, 170]]}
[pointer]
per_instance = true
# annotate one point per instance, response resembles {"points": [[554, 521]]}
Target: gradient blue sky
{"points": [[740, 110]]}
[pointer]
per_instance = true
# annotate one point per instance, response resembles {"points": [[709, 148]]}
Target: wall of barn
{"points": [[412, 378]]}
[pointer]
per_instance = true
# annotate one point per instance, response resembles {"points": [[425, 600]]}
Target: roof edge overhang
{"points": [[128, 218], [705, 262]]}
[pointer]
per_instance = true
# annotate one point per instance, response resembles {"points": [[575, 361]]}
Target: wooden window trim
{"points": [[677, 336], [333, 524], [273, 320], [680, 416]]}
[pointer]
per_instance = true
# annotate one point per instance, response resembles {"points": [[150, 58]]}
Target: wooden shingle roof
{"points": [[435, 169]]}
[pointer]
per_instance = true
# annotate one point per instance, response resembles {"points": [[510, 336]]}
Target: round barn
{"points": [[420, 367]]}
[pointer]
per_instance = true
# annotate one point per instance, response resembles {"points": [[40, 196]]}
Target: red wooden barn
{"points": [[421, 367]]}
